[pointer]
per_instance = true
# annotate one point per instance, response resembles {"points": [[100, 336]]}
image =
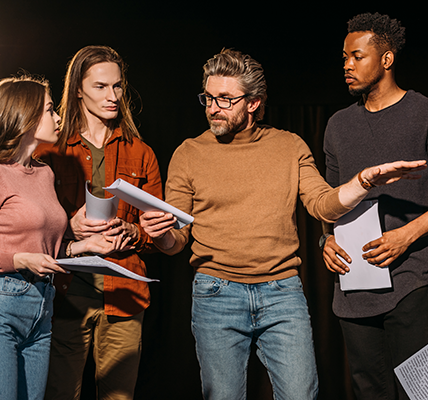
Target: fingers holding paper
{"points": [[330, 255], [157, 223], [83, 227]]}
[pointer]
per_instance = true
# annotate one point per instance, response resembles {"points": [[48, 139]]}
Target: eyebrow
{"points": [[353, 52], [222, 94], [105, 83]]}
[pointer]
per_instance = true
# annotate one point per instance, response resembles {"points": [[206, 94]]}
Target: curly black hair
{"points": [[388, 33]]}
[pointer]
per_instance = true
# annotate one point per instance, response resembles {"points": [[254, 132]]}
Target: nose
{"points": [[348, 64], [57, 118], [213, 108], [111, 94]]}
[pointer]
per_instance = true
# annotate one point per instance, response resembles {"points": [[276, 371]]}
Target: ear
{"points": [[388, 59], [253, 105], [79, 93]]}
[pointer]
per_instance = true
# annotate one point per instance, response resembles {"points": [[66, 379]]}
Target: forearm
{"points": [[417, 228], [351, 193], [166, 242]]}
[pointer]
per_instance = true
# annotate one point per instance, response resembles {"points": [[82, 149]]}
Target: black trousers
{"points": [[376, 345]]}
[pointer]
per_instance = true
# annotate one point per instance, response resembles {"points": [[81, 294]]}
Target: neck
{"points": [[28, 146], [97, 131], [383, 96], [24, 157]]}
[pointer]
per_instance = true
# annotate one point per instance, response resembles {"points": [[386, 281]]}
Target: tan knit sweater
{"points": [[243, 196]]}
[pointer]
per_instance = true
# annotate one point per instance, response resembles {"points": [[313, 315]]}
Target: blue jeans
{"points": [[228, 316], [25, 331]]}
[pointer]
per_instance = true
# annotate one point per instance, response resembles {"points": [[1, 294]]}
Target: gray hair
{"points": [[248, 71]]}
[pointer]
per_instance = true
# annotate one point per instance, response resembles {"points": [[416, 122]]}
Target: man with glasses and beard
{"points": [[241, 181], [382, 328]]}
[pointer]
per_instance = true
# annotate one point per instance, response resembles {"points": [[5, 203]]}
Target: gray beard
{"points": [[230, 125], [219, 130]]}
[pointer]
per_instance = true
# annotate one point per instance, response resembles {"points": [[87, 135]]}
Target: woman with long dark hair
{"points": [[32, 224]]}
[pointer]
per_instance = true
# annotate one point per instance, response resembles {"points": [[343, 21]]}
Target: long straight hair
{"points": [[71, 111], [22, 102]]}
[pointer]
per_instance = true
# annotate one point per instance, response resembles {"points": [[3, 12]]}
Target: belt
{"points": [[33, 278]]}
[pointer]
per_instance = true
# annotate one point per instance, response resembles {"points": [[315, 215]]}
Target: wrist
{"points": [[365, 183], [323, 239], [68, 250]]}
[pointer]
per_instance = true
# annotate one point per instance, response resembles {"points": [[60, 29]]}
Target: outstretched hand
{"points": [[385, 174]]}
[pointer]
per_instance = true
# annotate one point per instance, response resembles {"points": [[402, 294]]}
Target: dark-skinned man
{"points": [[383, 327]]}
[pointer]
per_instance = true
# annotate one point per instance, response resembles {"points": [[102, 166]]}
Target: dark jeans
{"points": [[376, 345]]}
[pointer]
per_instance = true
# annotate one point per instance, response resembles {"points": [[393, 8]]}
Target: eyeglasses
{"points": [[222, 102]]}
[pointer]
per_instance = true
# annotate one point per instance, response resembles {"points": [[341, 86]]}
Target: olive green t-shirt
{"points": [[86, 284]]}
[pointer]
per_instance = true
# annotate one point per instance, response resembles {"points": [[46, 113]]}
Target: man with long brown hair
{"points": [[99, 143]]}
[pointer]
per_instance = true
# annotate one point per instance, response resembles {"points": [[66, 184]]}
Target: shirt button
{"points": [[88, 157], [134, 174], [58, 182], [64, 287]]}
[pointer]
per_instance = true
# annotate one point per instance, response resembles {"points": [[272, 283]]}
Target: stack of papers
{"points": [[352, 232]]}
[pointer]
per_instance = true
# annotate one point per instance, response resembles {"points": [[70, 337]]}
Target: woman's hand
{"points": [[101, 244], [39, 264]]}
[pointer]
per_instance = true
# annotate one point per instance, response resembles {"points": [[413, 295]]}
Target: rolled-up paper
{"points": [[100, 209]]}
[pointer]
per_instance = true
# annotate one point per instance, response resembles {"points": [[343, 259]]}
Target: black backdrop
{"points": [[165, 45]]}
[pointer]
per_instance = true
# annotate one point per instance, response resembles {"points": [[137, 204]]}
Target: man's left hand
{"points": [[121, 227], [383, 251]]}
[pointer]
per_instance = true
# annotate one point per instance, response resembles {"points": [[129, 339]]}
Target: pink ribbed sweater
{"points": [[31, 218]]}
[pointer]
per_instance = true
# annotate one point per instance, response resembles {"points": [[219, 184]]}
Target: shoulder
{"points": [[414, 101], [343, 115], [267, 132], [42, 169], [194, 144], [281, 139]]}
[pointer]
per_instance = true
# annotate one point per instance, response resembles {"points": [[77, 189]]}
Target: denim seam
{"points": [[265, 363]]}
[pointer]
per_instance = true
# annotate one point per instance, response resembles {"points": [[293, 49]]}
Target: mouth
{"points": [[216, 118], [349, 79]]}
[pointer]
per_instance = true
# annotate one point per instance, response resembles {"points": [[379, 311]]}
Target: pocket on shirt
{"points": [[132, 175]]}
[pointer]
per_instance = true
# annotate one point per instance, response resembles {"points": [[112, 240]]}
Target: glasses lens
{"points": [[202, 99], [205, 100], [223, 102]]}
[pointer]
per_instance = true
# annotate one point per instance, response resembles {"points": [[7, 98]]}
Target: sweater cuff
{"points": [[6, 263], [335, 208]]}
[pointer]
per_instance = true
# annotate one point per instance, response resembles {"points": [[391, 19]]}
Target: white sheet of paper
{"points": [[413, 375], [352, 232], [146, 202], [100, 209], [97, 265]]}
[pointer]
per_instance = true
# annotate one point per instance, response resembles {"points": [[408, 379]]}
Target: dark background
{"points": [[165, 45]]}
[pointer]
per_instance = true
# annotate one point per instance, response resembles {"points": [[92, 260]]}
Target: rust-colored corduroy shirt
{"points": [[135, 163]]}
